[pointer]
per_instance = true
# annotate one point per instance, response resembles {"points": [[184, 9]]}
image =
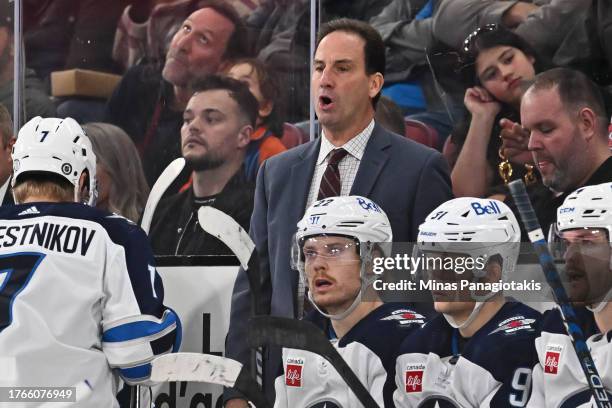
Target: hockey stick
{"points": [[303, 335], [530, 221], [169, 174], [209, 369], [225, 228]]}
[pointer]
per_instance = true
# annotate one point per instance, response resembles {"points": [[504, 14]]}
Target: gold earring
{"points": [[504, 168], [529, 177]]}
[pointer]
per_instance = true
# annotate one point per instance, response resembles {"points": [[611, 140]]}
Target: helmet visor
{"points": [[584, 255]]}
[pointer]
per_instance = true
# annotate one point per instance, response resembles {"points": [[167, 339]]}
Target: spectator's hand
{"points": [[480, 103], [514, 142], [517, 14], [237, 403]]}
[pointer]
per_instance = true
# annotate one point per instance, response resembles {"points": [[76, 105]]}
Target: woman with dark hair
{"points": [[265, 140], [500, 65], [122, 187]]}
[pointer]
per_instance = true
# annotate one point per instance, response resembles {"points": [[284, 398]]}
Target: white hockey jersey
{"points": [[79, 297], [558, 379], [309, 381], [437, 368]]}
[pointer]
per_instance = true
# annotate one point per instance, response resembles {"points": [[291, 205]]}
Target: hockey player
{"points": [[584, 232], [333, 249], [80, 299], [479, 352]]}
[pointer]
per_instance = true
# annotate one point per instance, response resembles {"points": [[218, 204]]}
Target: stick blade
{"points": [[292, 333], [195, 367], [227, 230], [169, 174]]}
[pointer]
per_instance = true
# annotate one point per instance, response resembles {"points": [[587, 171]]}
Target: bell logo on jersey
{"points": [[551, 363], [293, 372], [414, 378]]}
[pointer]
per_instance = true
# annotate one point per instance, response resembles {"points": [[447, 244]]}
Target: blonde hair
{"points": [[115, 150], [49, 186]]}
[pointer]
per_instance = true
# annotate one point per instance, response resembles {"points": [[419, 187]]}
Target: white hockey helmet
{"points": [[354, 217], [588, 207], [57, 146], [477, 227]]}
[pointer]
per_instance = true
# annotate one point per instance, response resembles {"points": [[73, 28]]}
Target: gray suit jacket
{"points": [[406, 179]]}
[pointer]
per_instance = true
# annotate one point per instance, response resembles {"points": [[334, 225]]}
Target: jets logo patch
{"points": [[405, 317], [514, 324]]}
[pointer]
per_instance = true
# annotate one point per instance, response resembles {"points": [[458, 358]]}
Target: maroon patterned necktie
{"points": [[330, 183]]}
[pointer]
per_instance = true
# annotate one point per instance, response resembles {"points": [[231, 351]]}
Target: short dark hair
{"points": [[270, 90], [373, 49], [237, 45], [576, 91], [237, 90]]}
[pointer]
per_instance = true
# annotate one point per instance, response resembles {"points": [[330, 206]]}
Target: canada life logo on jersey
{"points": [[293, 372], [552, 358], [414, 378]]}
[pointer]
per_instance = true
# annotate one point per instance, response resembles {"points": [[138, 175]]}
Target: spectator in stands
{"points": [[65, 34], [419, 71], [217, 127], [36, 100], [354, 155], [499, 64], [280, 30], [265, 140], [148, 104], [564, 113], [146, 27], [6, 163], [122, 187], [558, 30]]}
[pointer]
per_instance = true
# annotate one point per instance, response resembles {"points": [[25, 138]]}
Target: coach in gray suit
{"points": [[406, 179]]}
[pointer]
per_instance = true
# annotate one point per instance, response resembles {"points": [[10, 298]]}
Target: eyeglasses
{"points": [[470, 39]]}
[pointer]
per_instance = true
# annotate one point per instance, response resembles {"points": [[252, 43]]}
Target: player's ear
{"points": [[493, 271], [83, 191]]}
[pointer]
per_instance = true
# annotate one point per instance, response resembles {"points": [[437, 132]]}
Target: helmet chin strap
{"points": [[468, 321]]}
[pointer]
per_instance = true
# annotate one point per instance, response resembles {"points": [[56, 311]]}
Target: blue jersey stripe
{"points": [[141, 329]]}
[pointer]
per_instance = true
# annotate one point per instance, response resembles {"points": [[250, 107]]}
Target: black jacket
{"points": [[175, 229]]}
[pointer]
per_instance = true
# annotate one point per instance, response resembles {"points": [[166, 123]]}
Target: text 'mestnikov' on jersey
{"points": [[369, 348], [78, 293], [493, 369]]}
